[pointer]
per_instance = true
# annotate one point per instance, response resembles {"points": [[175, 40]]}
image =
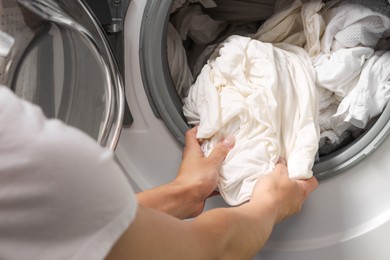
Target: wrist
{"points": [[265, 204], [188, 198]]}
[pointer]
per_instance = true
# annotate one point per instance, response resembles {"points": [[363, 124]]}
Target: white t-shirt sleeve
{"points": [[62, 196]]}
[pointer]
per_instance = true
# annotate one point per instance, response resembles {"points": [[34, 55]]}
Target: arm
{"points": [[224, 233], [196, 181]]}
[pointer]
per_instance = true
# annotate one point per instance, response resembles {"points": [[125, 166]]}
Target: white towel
{"points": [[242, 92], [353, 25]]}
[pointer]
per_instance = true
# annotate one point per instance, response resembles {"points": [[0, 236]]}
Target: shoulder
{"points": [[61, 186]]}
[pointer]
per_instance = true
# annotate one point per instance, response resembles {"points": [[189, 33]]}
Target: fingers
{"points": [[282, 161], [281, 166], [221, 150], [192, 147], [192, 144], [309, 185]]}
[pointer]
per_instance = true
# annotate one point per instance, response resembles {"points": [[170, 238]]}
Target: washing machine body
{"points": [[347, 217]]}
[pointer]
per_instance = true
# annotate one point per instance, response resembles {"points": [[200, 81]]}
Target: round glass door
{"points": [[55, 55]]}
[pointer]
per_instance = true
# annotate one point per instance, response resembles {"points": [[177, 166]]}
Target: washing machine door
{"points": [[53, 53]]}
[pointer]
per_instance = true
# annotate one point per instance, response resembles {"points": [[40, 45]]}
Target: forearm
{"points": [[172, 198], [225, 233], [238, 233]]}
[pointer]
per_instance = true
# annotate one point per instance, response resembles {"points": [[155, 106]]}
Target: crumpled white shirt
{"points": [[241, 92], [347, 68], [340, 70], [340, 39], [368, 98]]}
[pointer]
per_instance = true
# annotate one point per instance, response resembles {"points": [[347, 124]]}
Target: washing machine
{"points": [[347, 217]]}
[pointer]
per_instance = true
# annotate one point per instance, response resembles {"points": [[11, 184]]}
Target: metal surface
{"points": [[111, 15]]}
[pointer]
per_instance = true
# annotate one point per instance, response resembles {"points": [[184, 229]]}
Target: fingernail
{"points": [[228, 141]]}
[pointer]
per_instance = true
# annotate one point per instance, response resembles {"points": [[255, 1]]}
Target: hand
{"points": [[288, 195], [199, 173]]}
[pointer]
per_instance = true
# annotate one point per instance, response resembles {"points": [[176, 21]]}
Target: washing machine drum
{"points": [[54, 54], [168, 106]]}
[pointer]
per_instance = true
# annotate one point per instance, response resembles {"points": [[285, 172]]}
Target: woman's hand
{"points": [[287, 195], [197, 180], [199, 173]]}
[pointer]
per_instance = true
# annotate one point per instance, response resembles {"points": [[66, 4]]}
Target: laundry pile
{"points": [[308, 79]]}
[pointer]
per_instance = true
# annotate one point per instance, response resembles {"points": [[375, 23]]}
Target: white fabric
{"points": [[194, 23], [296, 22], [340, 70], [352, 25], [285, 23], [177, 62], [349, 34], [242, 93], [242, 30], [61, 195], [368, 98]]}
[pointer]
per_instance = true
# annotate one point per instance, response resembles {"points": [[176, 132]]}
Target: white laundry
{"points": [[296, 22], [177, 61], [242, 93], [368, 98], [201, 60], [352, 25], [328, 104], [329, 139], [340, 70], [283, 24], [197, 25], [352, 31]]}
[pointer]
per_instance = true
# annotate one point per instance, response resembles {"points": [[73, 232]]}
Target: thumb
{"points": [[192, 145], [221, 150], [309, 185]]}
